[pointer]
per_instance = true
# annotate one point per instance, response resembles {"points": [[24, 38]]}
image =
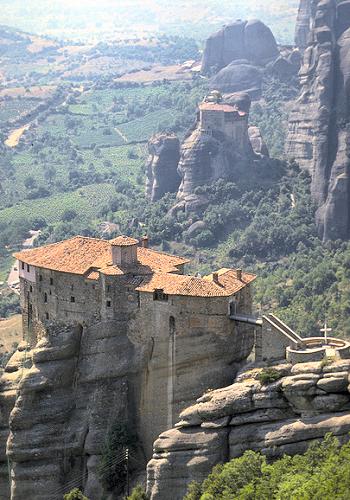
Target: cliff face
{"points": [[318, 126], [59, 399], [302, 28], [285, 416], [161, 167]]}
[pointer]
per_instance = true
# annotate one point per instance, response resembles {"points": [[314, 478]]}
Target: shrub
{"points": [[269, 375], [75, 494]]}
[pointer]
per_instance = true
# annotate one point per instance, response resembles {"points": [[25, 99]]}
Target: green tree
{"points": [[322, 473]]}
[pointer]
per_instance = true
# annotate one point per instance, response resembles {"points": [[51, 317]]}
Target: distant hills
{"points": [[107, 19]]}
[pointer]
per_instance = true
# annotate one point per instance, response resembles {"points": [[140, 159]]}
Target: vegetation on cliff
{"points": [[323, 472]]}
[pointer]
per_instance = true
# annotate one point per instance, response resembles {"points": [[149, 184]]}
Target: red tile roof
{"points": [[226, 108], [178, 284], [155, 270], [80, 255]]}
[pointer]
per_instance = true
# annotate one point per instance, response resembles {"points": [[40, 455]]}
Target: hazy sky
{"points": [[96, 18]]}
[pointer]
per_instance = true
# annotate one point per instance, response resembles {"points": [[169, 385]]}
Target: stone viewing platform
{"points": [[318, 348], [276, 340]]}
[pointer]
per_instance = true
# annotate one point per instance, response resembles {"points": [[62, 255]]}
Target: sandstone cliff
{"points": [[318, 126], [161, 166], [284, 416]]}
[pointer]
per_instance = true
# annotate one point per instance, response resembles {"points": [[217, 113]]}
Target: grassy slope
{"points": [[86, 200]]}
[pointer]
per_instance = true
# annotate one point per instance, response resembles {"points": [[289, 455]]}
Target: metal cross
{"points": [[325, 330]]}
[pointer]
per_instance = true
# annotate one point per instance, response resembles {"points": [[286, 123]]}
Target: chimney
{"points": [[239, 274], [144, 242], [216, 278], [124, 251]]}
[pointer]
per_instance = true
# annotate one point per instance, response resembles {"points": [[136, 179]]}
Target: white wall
{"points": [[28, 275]]}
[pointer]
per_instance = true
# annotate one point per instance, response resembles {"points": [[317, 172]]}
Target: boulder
{"points": [[251, 40], [238, 76]]}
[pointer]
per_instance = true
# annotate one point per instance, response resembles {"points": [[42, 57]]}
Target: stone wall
{"points": [[193, 346]]}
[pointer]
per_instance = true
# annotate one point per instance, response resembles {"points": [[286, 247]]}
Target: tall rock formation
{"points": [[308, 401], [161, 168], [319, 129], [219, 147], [302, 28]]}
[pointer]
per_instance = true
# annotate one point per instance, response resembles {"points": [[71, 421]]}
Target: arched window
{"points": [[45, 297]]}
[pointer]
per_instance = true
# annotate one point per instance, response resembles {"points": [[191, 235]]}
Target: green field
{"points": [[141, 129], [86, 201], [14, 108]]}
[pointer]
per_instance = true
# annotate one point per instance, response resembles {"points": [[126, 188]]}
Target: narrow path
{"points": [[15, 135], [119, 132], [292, 197]]}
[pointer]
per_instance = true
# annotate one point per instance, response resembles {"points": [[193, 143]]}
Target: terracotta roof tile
{"points": [[229, 280], [196, 287], [123, 241], [78, 255], [92, 275], [226, 108]]}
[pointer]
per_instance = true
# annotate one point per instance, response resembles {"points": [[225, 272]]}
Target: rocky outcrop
{"points": [[237, 56], [206, 157], [161, 166], [250, 40], [258, 144], [62, 411], [285, 416], [318, 125]]}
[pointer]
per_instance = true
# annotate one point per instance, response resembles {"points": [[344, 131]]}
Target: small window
{"points": [[93, 287], [30, 308], [108, 303], [50, 293], [30, 288], [51, 281], [40, 277], [45, 297], [28, 268], [72, 287], [160, 295], [47, 316], [72, 299], [108, 288], [22, 265]]}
